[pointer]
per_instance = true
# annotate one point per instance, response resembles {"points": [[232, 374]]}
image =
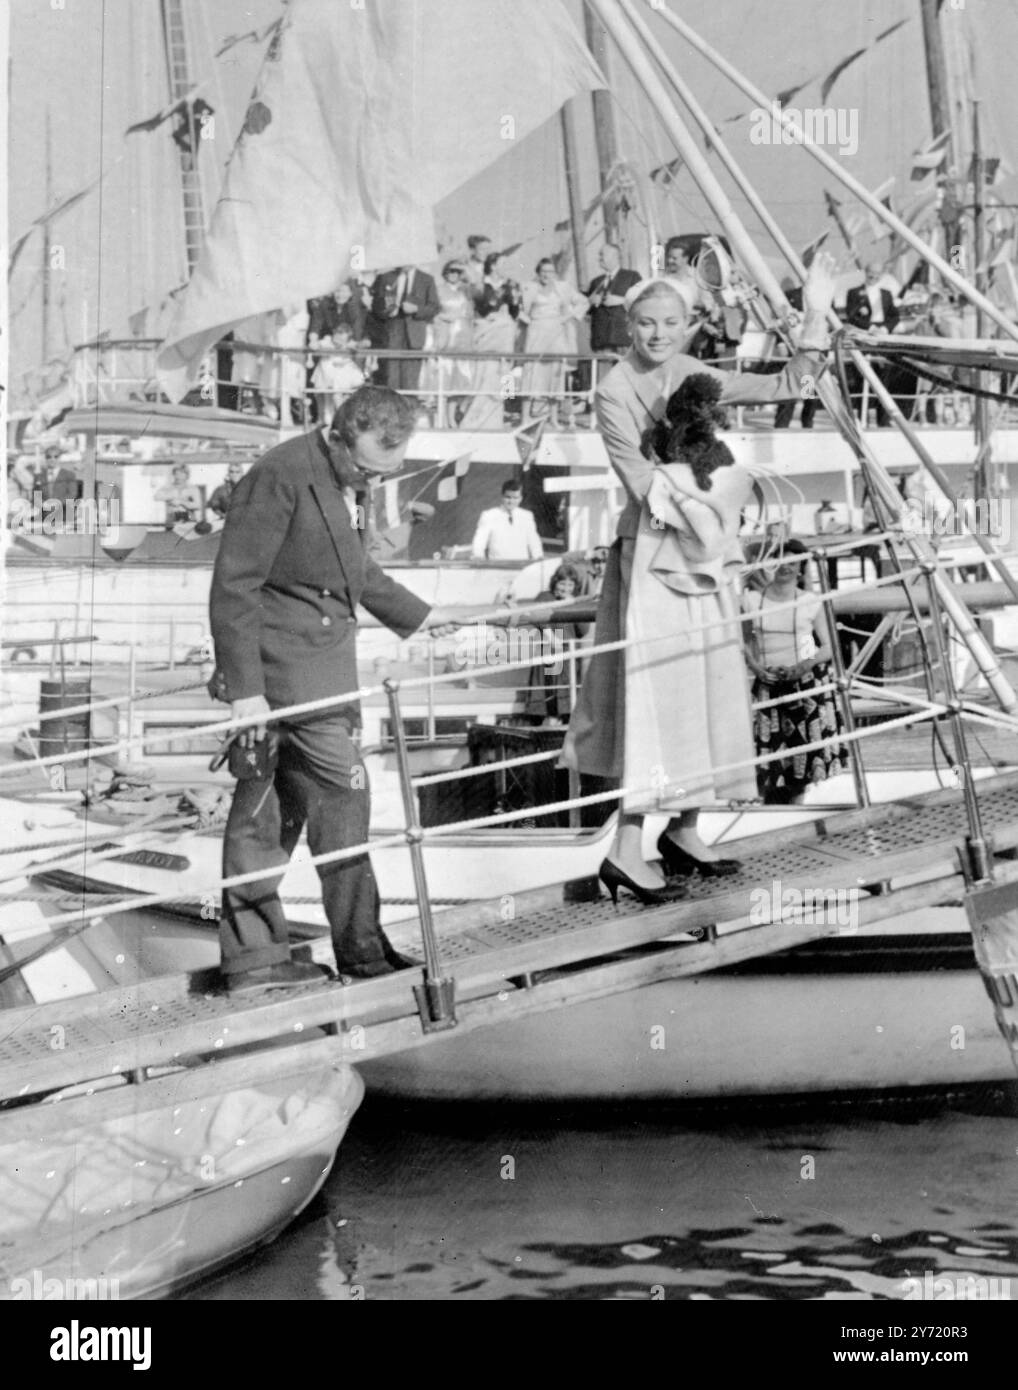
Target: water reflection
{"points": [[466, 1202]]}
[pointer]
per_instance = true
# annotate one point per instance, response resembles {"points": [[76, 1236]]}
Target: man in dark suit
{"points": [[403, 303], [871, 305], [292, 569], [609, 328]]}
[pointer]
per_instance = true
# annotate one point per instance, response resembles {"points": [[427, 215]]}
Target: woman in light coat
{"points": [[604, 739]]}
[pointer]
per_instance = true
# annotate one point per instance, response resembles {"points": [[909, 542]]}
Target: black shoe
{"points": [[613, 879], [286, 974], [392, 963], [681, 863], [400, 962]]}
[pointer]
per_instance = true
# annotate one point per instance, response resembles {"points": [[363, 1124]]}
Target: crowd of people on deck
{"points": [[478, 346]]}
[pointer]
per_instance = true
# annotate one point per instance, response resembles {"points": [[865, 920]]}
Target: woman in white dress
{"points": [[451, 331], [550, 311], [496, 309]]}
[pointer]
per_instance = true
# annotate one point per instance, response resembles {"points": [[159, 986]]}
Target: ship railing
{"points": [[274, 383], [436, 996], [165, 641]]}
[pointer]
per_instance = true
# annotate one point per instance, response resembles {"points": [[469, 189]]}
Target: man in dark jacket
{"points": [[403, 303], [609, 325], [871, 305], [292, 569], [606, 295]]}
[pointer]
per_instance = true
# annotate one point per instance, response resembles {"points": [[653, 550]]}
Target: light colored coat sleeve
{"points": [[752, 388], [535, 546], [482, 536]]}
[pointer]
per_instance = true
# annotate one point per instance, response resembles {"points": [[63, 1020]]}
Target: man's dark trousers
{"points": [[319, 782]]}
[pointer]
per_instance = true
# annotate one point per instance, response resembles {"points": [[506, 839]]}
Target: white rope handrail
{"points": [[911, 574], [493, 617], [413, 682], [456, 773]]}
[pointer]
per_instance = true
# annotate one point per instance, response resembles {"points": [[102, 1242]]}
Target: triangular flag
{"points": [[528, 441], [808, 252], [930, 155]]}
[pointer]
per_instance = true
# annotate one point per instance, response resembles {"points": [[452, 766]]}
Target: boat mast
{"points": [[986, 474], [936, 73], [46, 239], [572, 163], [179, 74], [986, 479], [605, 132]]}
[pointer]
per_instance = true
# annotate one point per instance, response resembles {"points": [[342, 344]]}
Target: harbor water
{"points": [[856, 1199]]}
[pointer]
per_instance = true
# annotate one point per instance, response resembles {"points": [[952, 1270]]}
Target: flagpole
{"points": [[859, 190], [771, 225], [612, 14]]}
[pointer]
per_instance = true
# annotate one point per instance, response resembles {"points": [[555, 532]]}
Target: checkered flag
{"points": [[449, 479]]}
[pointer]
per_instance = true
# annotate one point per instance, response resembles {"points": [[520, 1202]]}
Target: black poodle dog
{"points": [[686, 434]]}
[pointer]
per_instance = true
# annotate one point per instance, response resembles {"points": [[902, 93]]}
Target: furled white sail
{"points": [[362, 119]]}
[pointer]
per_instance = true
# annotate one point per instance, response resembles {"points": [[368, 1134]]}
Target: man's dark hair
{"points": [[375, 408], [691, 244], [512, 485], [474, 241]]}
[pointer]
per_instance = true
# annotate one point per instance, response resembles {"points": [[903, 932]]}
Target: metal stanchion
{"points": [[980, 864], [432, 723], [844, 684], [575, 815], [132, 686], [436, 998]]}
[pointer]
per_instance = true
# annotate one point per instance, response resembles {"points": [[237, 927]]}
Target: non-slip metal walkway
{"points": [[178, 1038]]}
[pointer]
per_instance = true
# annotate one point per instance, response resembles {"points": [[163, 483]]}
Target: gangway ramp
{"points": [[178, 1037]]}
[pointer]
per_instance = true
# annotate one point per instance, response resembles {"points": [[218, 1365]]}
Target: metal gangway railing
{"points": [[437, 1003]]}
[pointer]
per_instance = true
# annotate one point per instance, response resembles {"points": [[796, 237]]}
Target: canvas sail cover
{"points": [[363, 117]]}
